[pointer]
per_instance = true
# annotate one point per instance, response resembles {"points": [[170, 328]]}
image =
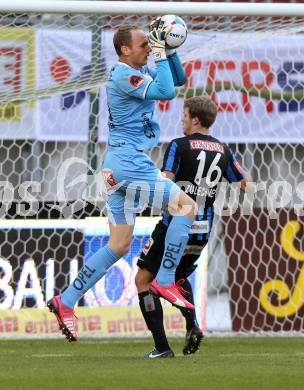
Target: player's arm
{"points": [[235, 173], [176, 67], [172, 160], [162, 87], [168, 175], [146, 86], [246, 184]]}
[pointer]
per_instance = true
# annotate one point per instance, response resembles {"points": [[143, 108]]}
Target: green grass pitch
{"points": [[222, 364]]}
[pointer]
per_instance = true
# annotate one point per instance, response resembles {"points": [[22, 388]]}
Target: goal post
{"points": [[154, 8], [54, 61]]}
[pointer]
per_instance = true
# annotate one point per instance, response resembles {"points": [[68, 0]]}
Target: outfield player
{"points": [[197, 162], [131, 176]]}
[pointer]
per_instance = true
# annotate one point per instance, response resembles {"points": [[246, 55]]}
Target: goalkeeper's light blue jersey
{"points": [[131, 117]]}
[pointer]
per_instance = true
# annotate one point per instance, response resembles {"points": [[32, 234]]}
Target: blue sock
{"points": [[94, 269], [175, 243]]}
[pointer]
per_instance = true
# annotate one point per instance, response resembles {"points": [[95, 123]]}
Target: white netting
{"points": [[53, 123], [89, 29]]}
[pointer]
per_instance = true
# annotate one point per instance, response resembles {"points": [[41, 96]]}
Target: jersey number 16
{"points": [[213, 168]]}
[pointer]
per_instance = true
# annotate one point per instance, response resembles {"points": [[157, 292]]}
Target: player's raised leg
{"points": [[184, 210], [94, 268], [131, 90]]}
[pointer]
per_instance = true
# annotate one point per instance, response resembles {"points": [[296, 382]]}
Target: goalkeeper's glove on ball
{"points": [[158, 33], [157, 43]]}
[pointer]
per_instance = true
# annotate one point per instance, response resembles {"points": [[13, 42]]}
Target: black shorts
{"points": [[152, 254]]}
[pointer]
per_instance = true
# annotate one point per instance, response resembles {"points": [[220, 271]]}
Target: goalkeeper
{"points": [[197, 162], [132, 178]]}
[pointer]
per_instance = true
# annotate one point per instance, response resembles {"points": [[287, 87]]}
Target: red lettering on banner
{"points": [[111, 325], [46, 325], [9, 325], [164, 105], [189, 67], [127, 325], [138, 325], [196, 144], [173, 321], [264, 67], [60, 69], [89, 323], [223, 84], [246, 69], [94, 323], [12, 67]]}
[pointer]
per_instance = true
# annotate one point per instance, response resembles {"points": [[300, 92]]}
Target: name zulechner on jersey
{"points": [[199, 191]]}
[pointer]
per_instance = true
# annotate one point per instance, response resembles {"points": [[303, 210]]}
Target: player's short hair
{"points": [[203, 108], [123, 37]]}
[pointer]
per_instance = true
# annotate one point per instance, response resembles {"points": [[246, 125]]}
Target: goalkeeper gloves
{"points": [[157, 36], [157, 43]]}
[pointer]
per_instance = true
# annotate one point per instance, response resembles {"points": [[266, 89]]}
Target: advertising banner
{"points": [[102, 321], [265, 273], [257, 83], [37, 263], [63, 56], [17, 73], [41, 257]]}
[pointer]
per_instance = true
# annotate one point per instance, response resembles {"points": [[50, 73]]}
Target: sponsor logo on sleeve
{"points": [[136, 81]]}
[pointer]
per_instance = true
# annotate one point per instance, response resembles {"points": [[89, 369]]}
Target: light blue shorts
{"points": [[133, 182]]}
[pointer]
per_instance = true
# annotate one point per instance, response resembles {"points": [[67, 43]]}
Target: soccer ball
{"points": [[177, 31]]}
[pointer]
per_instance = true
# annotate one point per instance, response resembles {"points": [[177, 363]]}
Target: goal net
{"points": [[54, 60]]}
